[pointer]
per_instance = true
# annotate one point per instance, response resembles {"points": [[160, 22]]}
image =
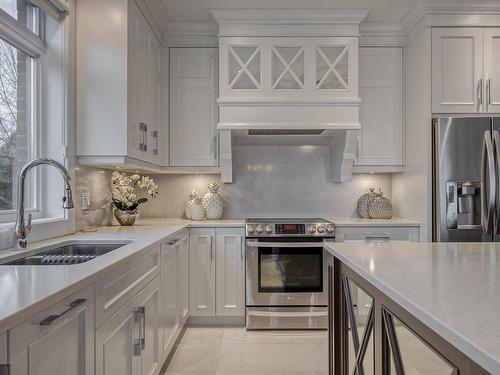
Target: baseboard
{"points": [[194, 321]]}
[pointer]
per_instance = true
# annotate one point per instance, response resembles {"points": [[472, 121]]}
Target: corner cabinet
{"points": [[257, 68], [220, 293], [465, 72], [118, 85], [59, 340], [381, 142]]}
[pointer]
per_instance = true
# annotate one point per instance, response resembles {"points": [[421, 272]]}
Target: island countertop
{"points": [[453, 288]]}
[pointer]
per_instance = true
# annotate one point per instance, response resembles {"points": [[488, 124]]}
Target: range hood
{"points": [[291, 73]]}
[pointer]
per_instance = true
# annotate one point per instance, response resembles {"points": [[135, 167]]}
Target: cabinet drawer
{"points": [[123, 282], [57, 340], [377, 234]]}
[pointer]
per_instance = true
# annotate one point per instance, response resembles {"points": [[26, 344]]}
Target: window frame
{"points": [[55, 45]]}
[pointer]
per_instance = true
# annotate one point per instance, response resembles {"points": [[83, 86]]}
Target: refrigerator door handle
{"points": [[488, 182], [496, 150]]}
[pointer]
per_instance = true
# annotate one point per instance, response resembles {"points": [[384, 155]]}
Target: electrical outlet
{"points": [[85, 201]]}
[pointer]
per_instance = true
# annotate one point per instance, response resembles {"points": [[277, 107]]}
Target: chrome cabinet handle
{"points": [[155, 136], [242, 245], [496, 156], [143, 146], [385, 237], [173, 242], [488, 93], [53, 320], [212, 240], [487, 173], [215, 147], [480, 92], [140, 343]]}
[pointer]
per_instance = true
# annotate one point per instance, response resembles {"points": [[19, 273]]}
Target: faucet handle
{"points": [[28, 223]]}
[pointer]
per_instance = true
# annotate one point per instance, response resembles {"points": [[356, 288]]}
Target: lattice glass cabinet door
{"points": [[332, 67], [244, 67], [287, 65]]}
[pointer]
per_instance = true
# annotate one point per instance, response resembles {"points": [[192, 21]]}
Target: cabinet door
{"points": [[193, 107], [381, 92], [170, 293], [457, 70], [202, 272], [118, 343], [492, 69], [59, 340], [148, 301], [183, 245], [230, 279]]}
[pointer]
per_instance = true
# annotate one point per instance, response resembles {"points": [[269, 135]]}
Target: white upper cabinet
{"points": [[492, 69], [193, 107], [118, 85], [458, 82], [274, 68], [381, 140]]}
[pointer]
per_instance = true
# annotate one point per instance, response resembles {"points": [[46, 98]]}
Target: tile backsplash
{"points": [[279, 180]]}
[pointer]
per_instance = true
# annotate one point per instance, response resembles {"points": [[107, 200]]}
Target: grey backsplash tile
{"points": [[96, 182], [280, 180]]}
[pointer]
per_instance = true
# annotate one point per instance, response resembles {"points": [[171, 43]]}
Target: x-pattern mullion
{"points": [[365, 340], [352, 319], [288, 67], [332, 66], [390, 331], [244, 67]]}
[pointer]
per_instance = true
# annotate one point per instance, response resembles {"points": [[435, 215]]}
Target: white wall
{"points": [[411, 190]]}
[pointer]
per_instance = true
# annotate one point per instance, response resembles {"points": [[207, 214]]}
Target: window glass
{"points": [[23, 11], [17, 144]]}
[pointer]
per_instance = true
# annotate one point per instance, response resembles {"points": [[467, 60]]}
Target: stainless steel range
{"points": [[286, 273]]}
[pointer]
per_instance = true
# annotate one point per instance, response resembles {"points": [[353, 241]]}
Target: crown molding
{"points": [[387, 34], [191, 34], [289, 16]]}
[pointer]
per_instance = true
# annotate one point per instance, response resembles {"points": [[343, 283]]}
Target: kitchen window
{"points": [[33, 103]]}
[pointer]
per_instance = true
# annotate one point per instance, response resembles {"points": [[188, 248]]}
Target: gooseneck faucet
{"points": [[23, 227]]}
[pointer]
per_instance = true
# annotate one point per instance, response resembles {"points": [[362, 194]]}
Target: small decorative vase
{"points": [[380, 207], [213, 202], [190, 203], [197, 210], [364, 202], [126, 218]]}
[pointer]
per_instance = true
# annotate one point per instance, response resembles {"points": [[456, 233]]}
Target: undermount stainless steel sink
{"points": [[67, 254]]}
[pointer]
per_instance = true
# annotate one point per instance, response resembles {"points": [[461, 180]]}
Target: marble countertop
{"points": [[452, 288]]}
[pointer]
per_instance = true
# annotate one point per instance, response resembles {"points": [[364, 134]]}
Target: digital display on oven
{"points": [[290, 229]]}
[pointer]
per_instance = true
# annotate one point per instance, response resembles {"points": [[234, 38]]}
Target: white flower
{"points": [[135, 177]]}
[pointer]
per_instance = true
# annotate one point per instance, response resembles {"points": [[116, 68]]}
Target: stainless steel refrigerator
{"points": [[466, 179]]}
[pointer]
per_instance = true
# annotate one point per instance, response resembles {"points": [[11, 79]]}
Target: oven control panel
{"points": [[321, 229]]}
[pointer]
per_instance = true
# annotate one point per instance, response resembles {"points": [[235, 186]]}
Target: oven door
{"points": [[284, 272]]}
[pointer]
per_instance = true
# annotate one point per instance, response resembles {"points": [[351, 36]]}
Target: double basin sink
{"points": [[67, 254]]}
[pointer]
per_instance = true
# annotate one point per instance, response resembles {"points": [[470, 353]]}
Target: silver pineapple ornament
{"points": [[189, 204], [197, 210], [213, 202]]}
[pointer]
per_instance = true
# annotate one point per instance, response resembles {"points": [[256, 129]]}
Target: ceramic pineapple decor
{"points": [[213, 202], [197, 210], [190, 203]]}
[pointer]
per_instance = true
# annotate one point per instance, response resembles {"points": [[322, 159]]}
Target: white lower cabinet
{"points": [[372, 233], [202, 272], [183, 260], [217, 272], [58, 340], [170, 301], [230, 272], [128, 343]]}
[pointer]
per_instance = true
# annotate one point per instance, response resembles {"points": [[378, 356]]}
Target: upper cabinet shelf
{"points": [[280, 68]]}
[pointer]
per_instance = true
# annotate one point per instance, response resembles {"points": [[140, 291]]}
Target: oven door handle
{"points": [[284, 244], [293, 314]]}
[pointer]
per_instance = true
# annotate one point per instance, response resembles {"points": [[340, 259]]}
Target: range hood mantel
{"points": [[291, 72]]}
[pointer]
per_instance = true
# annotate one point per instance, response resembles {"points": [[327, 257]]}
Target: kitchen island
{"points": [[446, 296]]}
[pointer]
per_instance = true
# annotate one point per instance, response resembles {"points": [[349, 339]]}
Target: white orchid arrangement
{"points": [[124, 186]]}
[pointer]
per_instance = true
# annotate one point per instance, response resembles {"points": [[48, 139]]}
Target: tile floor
{"points": [[230, 351]]}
